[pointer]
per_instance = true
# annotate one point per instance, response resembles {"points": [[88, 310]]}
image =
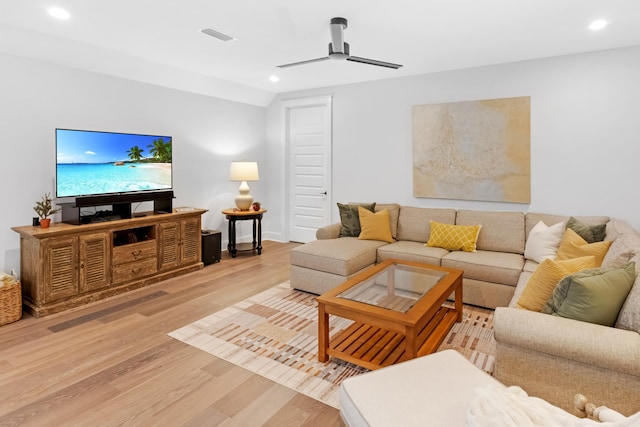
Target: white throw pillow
{"points": [[543, 241]]}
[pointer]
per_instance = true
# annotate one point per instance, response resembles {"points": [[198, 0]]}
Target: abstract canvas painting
{"points": [[473, 150]]}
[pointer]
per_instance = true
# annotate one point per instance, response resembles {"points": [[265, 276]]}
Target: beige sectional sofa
{"points": [[554, 357], [548, 356], [490, 274]]}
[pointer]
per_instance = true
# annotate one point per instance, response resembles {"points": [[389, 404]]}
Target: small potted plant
{"points": [[44, 209]]}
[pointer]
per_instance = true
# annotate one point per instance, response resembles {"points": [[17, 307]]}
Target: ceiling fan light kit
{"points": [[339, 49]]}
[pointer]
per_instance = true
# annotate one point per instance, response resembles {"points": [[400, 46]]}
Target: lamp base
{"points": [[244, 200]]}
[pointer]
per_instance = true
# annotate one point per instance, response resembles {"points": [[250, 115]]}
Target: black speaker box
{"points": [[211, 246]]}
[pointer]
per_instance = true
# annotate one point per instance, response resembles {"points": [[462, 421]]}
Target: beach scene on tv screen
{"points": [[90, 163]]}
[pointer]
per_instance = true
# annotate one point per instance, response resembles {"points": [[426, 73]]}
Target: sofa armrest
{"points": [[596, 345], [331, 231]]}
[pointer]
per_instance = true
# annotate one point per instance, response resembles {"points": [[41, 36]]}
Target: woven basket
{"points": [[10, 302]]}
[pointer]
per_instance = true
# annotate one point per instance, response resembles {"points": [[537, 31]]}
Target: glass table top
{"points": [[397, 287]]}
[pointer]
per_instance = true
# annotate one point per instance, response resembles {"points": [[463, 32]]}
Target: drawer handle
{"points": [[135, 270], [137, 253]]}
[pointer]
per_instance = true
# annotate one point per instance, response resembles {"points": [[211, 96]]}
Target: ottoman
{"points": [[433, 390]]}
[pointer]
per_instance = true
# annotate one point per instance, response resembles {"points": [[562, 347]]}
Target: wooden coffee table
{"points": [[397, 311]]}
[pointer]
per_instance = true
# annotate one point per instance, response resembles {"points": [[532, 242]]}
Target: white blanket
{"points": [[511, 407]]}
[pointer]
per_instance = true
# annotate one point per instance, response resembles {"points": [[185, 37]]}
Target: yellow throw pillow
{"points": [[453, 237], [545, 278], [574, 246], [374, 226]]}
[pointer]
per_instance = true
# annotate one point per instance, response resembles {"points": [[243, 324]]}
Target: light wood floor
{"points": [[112, 363]]}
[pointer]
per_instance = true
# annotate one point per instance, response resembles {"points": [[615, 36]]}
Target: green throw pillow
{"points": [[594, 295], [350, 219], [590, 233]]}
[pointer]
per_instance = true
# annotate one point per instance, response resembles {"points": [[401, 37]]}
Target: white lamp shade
{"points": [[243, 171]]}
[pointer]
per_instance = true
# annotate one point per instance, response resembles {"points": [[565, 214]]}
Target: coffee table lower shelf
{"points": [[373, 348]]}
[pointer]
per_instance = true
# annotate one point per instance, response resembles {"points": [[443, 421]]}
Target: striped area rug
{"points": [[274, 334]]}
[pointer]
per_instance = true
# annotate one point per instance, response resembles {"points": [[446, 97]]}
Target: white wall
{"points": [[585, 131], [585, 128], [208, 133]]}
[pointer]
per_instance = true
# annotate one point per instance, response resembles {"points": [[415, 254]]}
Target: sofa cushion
{"points": [[413, 223], [350, 219], [501, 231], [374, 226], [343, 256], [590, 233], [544, 280], [522, 283], [543, 241], [625, 248], [411, 251], [574, 246], [625, 243], [629, 317], [496, 267], [394, 212], [530, 265], [532, 218], [453, 237], [595, 295]]}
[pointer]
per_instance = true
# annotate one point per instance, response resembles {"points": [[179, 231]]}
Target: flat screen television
{"points": [[91, 163]]}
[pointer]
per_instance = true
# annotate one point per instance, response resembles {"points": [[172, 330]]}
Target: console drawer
{"points": [[134, 270], [134, 252]]}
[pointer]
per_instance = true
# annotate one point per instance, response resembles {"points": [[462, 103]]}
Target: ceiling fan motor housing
{"points": [[340, 21], [339, 55]]}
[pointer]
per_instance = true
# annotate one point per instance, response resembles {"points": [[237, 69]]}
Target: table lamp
{"points": [[244, 171]]}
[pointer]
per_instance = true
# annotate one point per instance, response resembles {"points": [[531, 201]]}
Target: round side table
{"points": [[234, 215]]}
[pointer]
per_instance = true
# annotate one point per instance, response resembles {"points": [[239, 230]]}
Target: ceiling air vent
{"points": [[218, 35]]}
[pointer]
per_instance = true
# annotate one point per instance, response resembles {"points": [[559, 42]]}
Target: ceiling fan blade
{"points": [[374, 62], [338, 26], [308, 61]]}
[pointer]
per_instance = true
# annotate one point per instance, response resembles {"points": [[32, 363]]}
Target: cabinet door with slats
{"points": [[169, 245], [191, 241], [95, 261], [60, 273]]}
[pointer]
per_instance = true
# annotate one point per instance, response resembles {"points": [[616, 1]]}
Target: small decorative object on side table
{"points": [[234, 215]]}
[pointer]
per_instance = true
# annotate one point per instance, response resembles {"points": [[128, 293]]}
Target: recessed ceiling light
{"points": [[598, 24], [59, 13], [274, 79]]}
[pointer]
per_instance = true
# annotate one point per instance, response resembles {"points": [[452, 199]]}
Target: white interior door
{"points": [[308, 130]]}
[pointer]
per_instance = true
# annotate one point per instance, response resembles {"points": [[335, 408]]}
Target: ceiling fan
{"points": [[339, 49]]}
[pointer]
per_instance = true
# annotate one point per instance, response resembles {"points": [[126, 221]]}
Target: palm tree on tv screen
{"points": [[161, 150], [135, 153]]}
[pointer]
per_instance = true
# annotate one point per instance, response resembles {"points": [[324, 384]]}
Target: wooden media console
{"points": [[66, 265]]}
